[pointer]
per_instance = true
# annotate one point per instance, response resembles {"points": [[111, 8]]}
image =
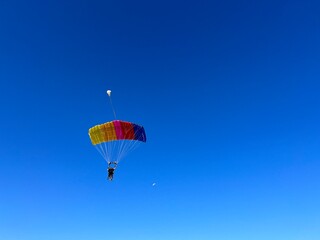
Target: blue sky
{"points": [[227, 91]]}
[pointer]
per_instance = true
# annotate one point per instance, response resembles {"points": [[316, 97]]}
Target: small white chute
{"points": [[109, 93]]}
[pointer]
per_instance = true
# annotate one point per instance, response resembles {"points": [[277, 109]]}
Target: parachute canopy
{"points": [[116, 138], [116, 130]]}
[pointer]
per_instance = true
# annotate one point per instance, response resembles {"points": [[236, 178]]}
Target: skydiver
{"points": [[110, 173], [111, 167]]}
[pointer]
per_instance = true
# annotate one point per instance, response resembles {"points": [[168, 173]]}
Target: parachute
{"points": [[115, 139]]}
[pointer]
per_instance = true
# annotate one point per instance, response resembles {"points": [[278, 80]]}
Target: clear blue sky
{"points": [[228, 92]]}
